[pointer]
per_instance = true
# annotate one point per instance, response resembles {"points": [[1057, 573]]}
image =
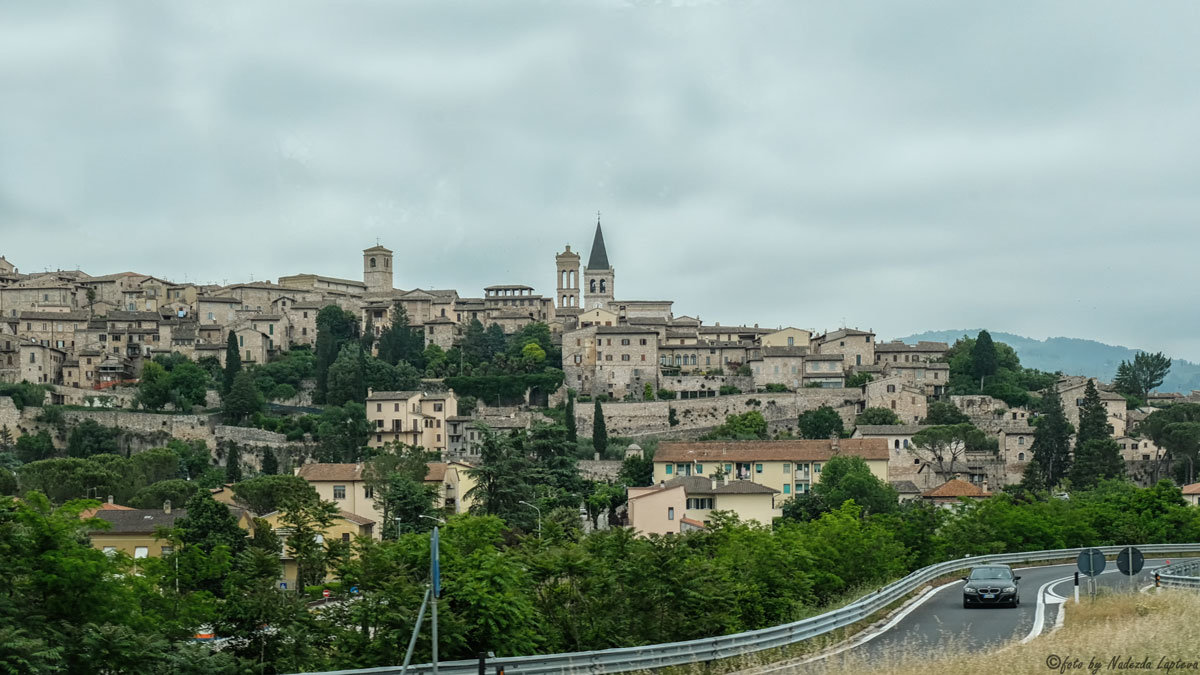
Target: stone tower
{"points": [[377, 269], [567, 264], [598, 276]]}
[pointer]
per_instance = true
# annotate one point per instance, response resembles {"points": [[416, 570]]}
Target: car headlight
{"points": [[1010, 589], [969, 589]]}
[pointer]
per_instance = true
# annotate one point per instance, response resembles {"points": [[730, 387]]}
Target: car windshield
{"points": [[991, 573]]}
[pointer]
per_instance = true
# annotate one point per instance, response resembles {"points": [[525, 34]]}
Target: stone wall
{"points": [[9, 415], [185, 427], [247, 436], [604, 469], [695, 416]]}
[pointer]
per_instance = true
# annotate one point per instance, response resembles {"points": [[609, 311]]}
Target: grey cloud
{"points": [[1025, 166]]}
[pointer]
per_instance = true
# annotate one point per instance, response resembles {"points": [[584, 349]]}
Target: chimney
{"points": [[725, 479], [712, 483], [985, 485], [834, 442], [167, 506], [596, 456], [110, 499]]}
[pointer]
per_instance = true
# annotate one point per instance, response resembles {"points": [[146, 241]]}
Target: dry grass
{"points": [[1155, 627]]}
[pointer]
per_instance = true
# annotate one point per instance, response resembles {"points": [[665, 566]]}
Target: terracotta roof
{"points": [[922, 346], [391, 395], [234, 301], [436, 473], [956, 487], [1193, 489], [328, 472], [354, 518], [784, 351], [787, 450], [905, 487], [104, 507], [692, 522], [625, 330], [825, 357]]}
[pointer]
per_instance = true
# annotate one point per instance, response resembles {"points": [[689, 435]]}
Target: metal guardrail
{"points": [[650, 657], [1184, 574]]}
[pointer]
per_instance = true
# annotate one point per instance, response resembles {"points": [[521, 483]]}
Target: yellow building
{"points": [[346, 486], [344, 528], [787, 466], [133, 531], [684, 503], [411, 417]]}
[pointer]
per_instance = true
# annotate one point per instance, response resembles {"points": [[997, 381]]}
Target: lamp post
{"points": [[435, 577], [539, 515]]}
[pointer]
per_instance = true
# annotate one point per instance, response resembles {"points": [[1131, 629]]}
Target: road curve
{"points": [[938, 621]]}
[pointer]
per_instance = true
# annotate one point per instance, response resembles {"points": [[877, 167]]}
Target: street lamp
{"points": [[539, 515]]}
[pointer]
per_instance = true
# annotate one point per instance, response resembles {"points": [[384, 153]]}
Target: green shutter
{"points": [[670, 469], [699, 469]]}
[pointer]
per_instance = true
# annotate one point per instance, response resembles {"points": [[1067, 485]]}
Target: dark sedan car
{"points": [[991, 585]]}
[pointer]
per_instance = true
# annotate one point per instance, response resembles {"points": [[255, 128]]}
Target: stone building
{"points": [[1072, 388], [786, 337], [613, 360], [932, 378], [598, 275], [377, 270], [824, 370], [856, 346], [782, 365], [899, 352], [566, 293], [893, 393]]}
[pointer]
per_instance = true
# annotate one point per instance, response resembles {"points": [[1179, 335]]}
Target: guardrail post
{"points": [[1157, 580]]}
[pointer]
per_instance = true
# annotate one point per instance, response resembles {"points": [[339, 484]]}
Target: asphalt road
{"points": [[941, 623]]}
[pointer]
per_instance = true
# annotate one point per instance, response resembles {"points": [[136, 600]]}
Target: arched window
{"points": [[791, 342], [372, 262], [593, 286], [601, 285], [1020, 457]]}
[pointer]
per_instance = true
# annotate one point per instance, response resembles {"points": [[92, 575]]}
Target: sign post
{"points": [[1091, 562], [435, 572], [1130, 562]]}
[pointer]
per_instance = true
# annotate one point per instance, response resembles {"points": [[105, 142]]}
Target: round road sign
{"points": [[1128, 555], [1091, 561]]}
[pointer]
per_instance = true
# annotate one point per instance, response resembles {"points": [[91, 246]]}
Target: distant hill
{"points": [[1074, 356]]}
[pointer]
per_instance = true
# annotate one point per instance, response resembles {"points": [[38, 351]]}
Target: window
{"points": [[110, 550], [1020, 457], [1020, 440], [339, 491], [141, 551], [625, 342], [728, 469], [624, 357], [699, 503], [346, 537], [368, 492], [816, 467], [758, 468], [669, 469], [643, 342], [891, 389], [437, 407], [787, 467], [305, 315], [168, 550], [670, 513], [699, 469], [897, 444], [791, 342], [787, 489], [378, 407]]}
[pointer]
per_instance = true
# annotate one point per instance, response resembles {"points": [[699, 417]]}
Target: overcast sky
{"points": [[1028, 167]]}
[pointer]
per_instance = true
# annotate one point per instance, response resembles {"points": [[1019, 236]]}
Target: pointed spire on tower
{"points": [[599, 258]]}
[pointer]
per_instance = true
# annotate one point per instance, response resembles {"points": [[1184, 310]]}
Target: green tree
{"points": [[501, 478], [399, 343], [1096, 459], [233, 464], [943, 413], [599, 431], [154, 465], [243, 400], [637, 471], [188, 384], [347, 376], [177, 491], [265, 494], [343, 432], [746, 426], [270, 463], [154, 389], [858, 379], [335, 327], [1143, 375], [89, 437], [569, 419], [406, 500], [209, 524], [873, 416], [474, 345], [34, 447], [1182, 441], [943, 446], [648, 392], [305, 521], [1093, 417], [984, 361], [62, 480], [845, 478], [1052, 439], [233, 362], [821, 423]]}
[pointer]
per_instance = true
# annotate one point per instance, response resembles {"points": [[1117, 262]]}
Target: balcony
{"points": [[802, 475]]}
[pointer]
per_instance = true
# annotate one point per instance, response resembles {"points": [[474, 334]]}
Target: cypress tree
{"points": [[1096, 453], [233, 465], [983, 357], [1093, 418], [599, 431], [233, 362], [270, 464], [572, 431], [1052, 439]]}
